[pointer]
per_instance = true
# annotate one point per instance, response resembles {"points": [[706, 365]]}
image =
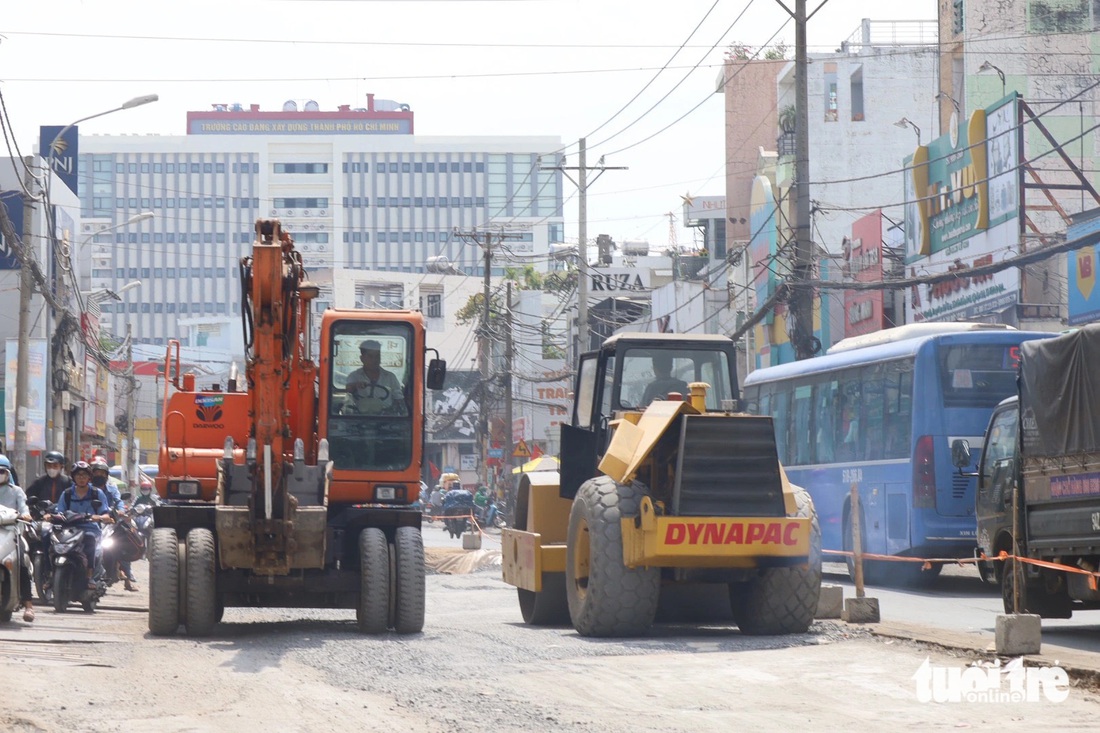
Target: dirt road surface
{"points": [[476, 667]]}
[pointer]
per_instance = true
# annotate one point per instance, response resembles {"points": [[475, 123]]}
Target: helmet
{"points": [[53, 457], [99, 463], [81, 466], [4, 462]]}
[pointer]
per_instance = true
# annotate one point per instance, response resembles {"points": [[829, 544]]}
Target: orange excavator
{"points": [[295, 488]]}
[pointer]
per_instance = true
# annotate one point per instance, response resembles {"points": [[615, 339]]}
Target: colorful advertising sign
{"points": [[33, 416], [962, 211], [61, 152], [763, 245], [91, 383], [1084, 296], [863, 262]]}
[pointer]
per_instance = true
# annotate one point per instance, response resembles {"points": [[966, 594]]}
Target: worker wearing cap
{"points": [[373, 390]]}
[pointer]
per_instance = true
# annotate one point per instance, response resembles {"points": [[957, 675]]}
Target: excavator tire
{"points": [[202, 588], [164, 569], [409, 605], [782, 600], [606, 598], [373, 613], [547, 607]]}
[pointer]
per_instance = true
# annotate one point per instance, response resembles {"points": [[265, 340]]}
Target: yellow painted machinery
{"points": [[662, 483]]}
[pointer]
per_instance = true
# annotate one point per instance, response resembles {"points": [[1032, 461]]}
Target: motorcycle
{"points": [[70, 574], [142, 516], [459, 504], [38, 544], [121, 542], [491, 516], [11, 560]]}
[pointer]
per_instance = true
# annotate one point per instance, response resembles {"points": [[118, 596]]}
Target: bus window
{"points": [[752, 400], [801, 434], [977, 375], [899, 409], [825, 399], [781, 401], [872, 418], [851, 440]]}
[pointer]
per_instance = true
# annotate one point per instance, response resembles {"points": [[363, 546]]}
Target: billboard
{"points": [[962, 210], [33, 415], [863, 263], [1084, 296], [297, 124], [61, 152]]}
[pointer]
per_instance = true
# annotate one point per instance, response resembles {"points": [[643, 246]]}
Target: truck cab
{"points": [[995, 476]]}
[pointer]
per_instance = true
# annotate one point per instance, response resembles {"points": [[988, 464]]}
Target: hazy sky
{"points": [[466, 67]]}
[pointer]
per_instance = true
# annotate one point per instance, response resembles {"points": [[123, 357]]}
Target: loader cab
{"points": [[625, 375]]}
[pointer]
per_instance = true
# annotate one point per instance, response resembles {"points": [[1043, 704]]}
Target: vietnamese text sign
{"points": [[33, 414], [299, 127]]}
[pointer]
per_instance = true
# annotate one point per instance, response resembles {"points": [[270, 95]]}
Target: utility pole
{"points": [[484, 239], [129, 456], [506, 462], [801, 299], [26, 290], [582, 340]]}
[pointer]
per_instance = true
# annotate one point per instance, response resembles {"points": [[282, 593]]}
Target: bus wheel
{"points": [[1035, 596]]}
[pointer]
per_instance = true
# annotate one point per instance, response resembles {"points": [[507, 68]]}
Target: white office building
{"points": [[356, 188]]}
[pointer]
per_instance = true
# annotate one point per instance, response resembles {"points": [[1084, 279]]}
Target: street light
{"points": [[945, 95], [135, 102], [986, 66], [906, 122], [135, 219], [22, 389]]}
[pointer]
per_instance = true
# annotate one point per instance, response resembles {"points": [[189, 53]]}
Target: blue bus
{"points": [[880, 411]]}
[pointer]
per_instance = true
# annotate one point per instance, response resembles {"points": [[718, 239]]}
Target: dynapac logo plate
{"points": [[718, 532]]}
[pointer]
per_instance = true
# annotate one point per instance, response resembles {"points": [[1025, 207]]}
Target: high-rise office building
{"points": [[356, 188]]}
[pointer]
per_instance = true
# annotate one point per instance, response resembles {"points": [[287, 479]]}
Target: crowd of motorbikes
{"points": [[457, 507], [51, 547]]}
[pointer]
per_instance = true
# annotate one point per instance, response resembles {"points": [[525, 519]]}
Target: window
{"points": [[307, 168], [158, 168], [831, 101], [183, 308], [433, 305], [467, 167], [418, 167], [586, 393], [393, 167], [133, 168], [132, 203], [144, 167], [303, 202], [456, 167], [158, 272], [170, 272], [171, 307], [196, 168], [405, 168], [219, 167], [856, 91]]}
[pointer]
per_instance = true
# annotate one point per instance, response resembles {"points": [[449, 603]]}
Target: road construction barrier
{"points": [[1003, 556]]}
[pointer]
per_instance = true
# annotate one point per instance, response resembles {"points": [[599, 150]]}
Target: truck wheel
{"points": [[782, 600], [202, 583], [1036, 598], [606, 598], [409, 607], [547, 607], [164, 568], [373, 613]]}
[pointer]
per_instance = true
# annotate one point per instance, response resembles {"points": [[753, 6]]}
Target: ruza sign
{"points": [[962, 211], [614, 280]]}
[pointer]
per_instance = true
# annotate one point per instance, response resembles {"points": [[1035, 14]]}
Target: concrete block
{"points": [[471, 540], [860, 611], [830, 604], [1018, 633]]}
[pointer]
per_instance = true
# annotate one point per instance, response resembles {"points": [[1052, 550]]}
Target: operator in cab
{"points": [[663, 381], [372, 389]]}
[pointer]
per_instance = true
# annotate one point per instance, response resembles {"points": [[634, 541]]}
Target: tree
{"points": [[778, 52], [738, 51]]}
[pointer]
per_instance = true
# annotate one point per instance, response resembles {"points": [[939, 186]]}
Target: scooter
{"points": [[458, 506], [11, 560], [121, 542], [70, 574], [37, 536], [142, 516]]}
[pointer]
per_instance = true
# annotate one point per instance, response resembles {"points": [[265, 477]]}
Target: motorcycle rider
{"points": [[13, 497], [102, 480], [48, 486], [84, 498]]}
